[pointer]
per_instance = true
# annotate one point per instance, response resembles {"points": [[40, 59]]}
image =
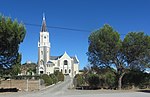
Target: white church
{"points": [[47, 64]]}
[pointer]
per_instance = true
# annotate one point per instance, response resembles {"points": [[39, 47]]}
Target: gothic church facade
{"points": [[68, 65]]}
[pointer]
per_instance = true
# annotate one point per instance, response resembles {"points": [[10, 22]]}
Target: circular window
{"points": [[45, 37]]}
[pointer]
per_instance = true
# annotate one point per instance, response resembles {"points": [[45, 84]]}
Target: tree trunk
{"points": [[120, 81]]}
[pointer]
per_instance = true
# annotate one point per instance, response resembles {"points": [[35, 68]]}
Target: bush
{"points": [[137, 79], [54, 78], [59, 75], [110, 80], [93, 80], [78, 80], [47, 79]]}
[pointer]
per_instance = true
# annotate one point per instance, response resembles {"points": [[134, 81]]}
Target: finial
{"points": [[43, 16]]}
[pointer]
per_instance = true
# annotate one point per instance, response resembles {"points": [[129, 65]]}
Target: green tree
{"points": [[16, 66], [137, 50], [12, 34], [104, 45], [107, 50], [29, 67]]}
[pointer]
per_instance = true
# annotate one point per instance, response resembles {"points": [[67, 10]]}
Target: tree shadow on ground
{"points": [[8, 90], [145, 91]]}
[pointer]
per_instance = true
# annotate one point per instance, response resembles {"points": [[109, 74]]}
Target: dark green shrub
{"points": [[59, 75], [110, 80], [78, 80], [137, 79], [47, 79], [54, 78], [93, 80]]}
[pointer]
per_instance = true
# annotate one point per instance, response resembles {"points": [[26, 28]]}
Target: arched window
{"points": [[61, 70], [65, 62], [41, 52], [65, 71], [41, 67], [42, 62], [69, 70]]}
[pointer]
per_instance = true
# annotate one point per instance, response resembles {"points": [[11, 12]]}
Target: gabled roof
{"points": [[57, 57], [50, 62], [75, 59], [43, 27], [54, 57]]}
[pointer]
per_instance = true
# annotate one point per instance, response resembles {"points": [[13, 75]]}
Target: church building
{"points": [[47, 64]]}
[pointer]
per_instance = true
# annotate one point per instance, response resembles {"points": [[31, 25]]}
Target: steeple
{"points": [[43, 28]]}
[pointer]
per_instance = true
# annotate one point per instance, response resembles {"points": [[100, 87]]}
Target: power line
{"points": [[64, 28], [57, 27]]}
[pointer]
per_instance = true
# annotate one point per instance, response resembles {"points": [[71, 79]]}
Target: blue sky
{"points": [[123, 15]]}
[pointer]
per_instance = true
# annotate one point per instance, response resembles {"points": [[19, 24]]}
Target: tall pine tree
{"points": [[12, 34]]}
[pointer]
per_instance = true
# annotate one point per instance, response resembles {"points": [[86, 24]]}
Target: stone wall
{"points": [[23, 85]]}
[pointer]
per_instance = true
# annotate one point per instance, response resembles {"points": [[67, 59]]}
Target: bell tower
{"points": [[43, 48]]}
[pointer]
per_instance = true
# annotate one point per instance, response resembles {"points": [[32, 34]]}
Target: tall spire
{"points": [[43, 28], [43, 16]]}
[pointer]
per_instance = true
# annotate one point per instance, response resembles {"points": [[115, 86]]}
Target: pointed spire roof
{"points": [[43, 28]]}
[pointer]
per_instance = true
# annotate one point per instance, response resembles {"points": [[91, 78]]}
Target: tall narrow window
{"points": [[42, 52], [42, 62], [65, 62], [65, 71], [69, 70]]}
